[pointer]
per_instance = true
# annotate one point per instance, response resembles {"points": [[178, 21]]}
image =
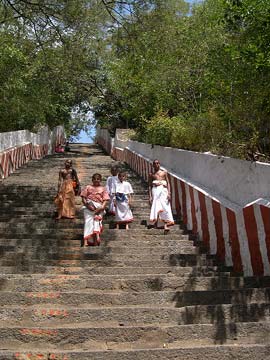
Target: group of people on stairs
{"points": [[116, 197]]}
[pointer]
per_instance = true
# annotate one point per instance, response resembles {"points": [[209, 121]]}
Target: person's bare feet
{"points": [[166, 229], [97, 240]]}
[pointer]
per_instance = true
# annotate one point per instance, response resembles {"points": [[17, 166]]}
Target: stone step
{"points": [[132, 315], [39, 252], [20, 197], [133, 241], [127, 338], [119, 298], [99, 260], [107, 270], [104, 250], [188, 352], [186, 257], [72, 233], [166, 282], [140, 295], [138, 223], [138, 201]]}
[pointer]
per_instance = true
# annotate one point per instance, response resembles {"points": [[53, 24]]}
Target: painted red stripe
{"points": [[265, 211], [234, 241], [20, 157], [149, 169], [253, 240], [5, 165], [143, 168], [135, 162], [184, 201], [11, 167], [172, 190], [193, 210], [204, 220], [177, 200], [219, 230], [1, 166]]}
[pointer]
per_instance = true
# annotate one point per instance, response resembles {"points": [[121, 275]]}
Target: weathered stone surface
{"points": [[140, 295]]}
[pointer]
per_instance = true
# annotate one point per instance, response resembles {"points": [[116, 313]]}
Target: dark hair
{"points": [[97, 175], [122, 172], [115, 167]]}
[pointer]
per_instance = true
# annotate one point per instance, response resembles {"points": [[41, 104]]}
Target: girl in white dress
{"points": [[122, 200]]}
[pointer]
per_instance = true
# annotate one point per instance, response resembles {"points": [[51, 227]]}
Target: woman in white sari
{"points": [[159, 197], [95, 199]]}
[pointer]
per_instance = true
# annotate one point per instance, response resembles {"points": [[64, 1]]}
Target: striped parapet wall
{"points": [[239, 237], [13, 158], [118, 154], [39, 151]]}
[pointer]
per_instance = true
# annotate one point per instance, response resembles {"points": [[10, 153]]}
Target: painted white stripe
{"points": [[225, 226], [243, 242], [211, 226], [261, 236]]}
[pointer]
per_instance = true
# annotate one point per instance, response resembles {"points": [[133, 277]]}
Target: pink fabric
{"points": [[95, 193]]}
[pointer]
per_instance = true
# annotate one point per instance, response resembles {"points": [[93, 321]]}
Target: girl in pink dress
{"points": [[95, 198]]}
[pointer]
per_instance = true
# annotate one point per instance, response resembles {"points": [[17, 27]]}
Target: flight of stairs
{"points": [[140, 295]]}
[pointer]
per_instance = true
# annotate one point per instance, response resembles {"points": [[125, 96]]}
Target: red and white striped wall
{"points": [[13, 158], [39, 151], [239, 237], [118, 154]]}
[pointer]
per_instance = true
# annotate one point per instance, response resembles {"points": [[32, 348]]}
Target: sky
{"points": [[85, 138]]}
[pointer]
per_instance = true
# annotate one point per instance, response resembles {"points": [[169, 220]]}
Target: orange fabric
{"points": [[65, 201]]}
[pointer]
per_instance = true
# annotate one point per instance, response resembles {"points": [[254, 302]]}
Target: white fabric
{"points": [[123, 187], [92, 222], [161, 207], [110, 187], [123, 214]]}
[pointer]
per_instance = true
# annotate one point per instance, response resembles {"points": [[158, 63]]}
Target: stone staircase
{"points": [[140, 295]]}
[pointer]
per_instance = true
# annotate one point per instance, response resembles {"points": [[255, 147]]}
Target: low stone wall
{"points": [[239, 235], [16, 150]]}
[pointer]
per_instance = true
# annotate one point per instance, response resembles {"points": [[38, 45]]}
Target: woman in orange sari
{"points": [[65, 199]]}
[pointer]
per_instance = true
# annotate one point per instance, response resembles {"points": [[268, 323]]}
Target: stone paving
{"points": [[140, 295]]}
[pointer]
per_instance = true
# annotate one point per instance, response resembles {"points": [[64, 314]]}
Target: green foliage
{"points": [[196, 79], [49, 62], [208, 71]]}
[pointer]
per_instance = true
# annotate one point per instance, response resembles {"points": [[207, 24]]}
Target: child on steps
{"points": [[110, 185], [94, 198], [122, 200]]}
